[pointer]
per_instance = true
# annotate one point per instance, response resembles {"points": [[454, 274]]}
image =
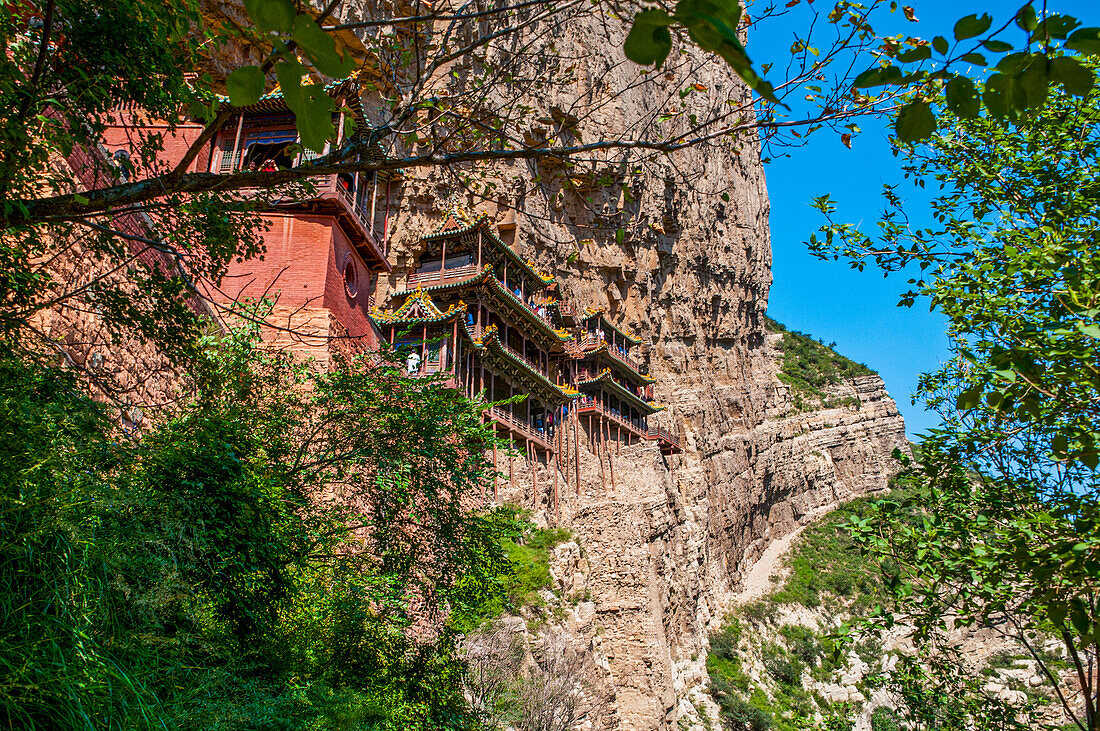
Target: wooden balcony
{"points": [[590, 405], [667, 440], [444, 276], [331, 198], [518, 427], [620, 354]]}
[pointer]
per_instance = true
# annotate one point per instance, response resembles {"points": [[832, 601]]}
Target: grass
{"points": [[826, 567], [528, 551], [809, 367]]}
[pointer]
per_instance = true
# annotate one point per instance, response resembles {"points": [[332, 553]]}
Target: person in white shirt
{"points": [[413, 363]]}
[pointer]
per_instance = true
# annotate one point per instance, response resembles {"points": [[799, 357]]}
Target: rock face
{"points": [[662, 552]]}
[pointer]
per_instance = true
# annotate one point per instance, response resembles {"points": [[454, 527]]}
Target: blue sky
{"points": [[829, 300]]}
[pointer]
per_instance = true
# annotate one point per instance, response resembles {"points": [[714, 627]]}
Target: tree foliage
{"points": [[278, 553], [1007, 534]]}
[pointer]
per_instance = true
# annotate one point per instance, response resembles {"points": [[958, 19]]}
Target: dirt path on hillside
{"points": [[758, 580]]}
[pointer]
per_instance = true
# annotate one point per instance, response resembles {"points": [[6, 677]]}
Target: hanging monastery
{"points": [[469, 310]]}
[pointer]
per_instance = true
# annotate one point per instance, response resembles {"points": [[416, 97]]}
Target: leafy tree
{"points": [[1007, 536], [277, 553]]}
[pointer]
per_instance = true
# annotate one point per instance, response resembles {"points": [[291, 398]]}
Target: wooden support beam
{"points": [[610, 463], [576, 419], [600, 451], [533, 456]]}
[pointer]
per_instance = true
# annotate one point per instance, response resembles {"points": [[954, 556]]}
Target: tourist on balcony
{"points": [[413, 363], [470, 321], [550, 424], [539, 427]]}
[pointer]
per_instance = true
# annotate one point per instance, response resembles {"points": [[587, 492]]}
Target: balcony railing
{"points": [[588, 403], [591, 341], [518, 425], [325, 185], [528, 361], [444, 276], [660, 434], [645, 393]]}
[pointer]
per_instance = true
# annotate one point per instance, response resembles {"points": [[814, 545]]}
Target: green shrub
{"points": [[826, 566], [786, 670], [724, 643], [803, 642], [809, 366], [740, 715], [527, 550], [885, 719]]}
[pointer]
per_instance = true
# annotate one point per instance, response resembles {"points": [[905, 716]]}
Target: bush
{"points": [[885, 719], [827, 566], [740, 715], [724, 644], [809, 366], [802, 642], [785, 669]]}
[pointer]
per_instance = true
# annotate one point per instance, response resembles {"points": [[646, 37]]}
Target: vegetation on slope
{"points": [[809, 367], [196, 577], [773, 659]]}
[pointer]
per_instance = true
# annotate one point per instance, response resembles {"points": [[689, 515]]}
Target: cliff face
{"points": [[678, 250]]}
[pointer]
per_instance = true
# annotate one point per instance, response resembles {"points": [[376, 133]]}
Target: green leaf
{"points": [[919, 53], [1034, 84], [975, 58], [997, 46], [271, 15], [289, 74], [941, 45], [245, 86], [649, 41], [1055, 26], [971, 26], [1091, 329], [314, 119], [320, 48], [915, 122], [1026, 18], [1085, 40], [1072, 74], [995, 96], [962, 97], [878, 76], [969, 398]]}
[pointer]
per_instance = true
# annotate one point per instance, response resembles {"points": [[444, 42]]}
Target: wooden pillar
{"points": [[386, 221], [576, 419], [512, 467], [495, 475], [610, 464], [600, 451], [234, 162], [534, 475], [373, 200], [557, 466], [479, 263], [443, 260]]}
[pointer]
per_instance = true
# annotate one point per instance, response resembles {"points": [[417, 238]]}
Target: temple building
{"points": [[323, 251], [474, 310]]}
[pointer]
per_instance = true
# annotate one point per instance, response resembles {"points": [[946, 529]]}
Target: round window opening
{"points": [[351, 279]]}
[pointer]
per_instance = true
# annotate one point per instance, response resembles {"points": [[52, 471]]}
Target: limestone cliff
{"points": [[677, 249]]}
